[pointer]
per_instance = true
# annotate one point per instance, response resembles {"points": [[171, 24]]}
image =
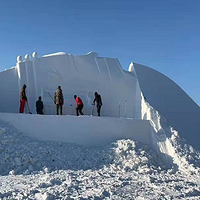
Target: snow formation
{"points": [[145, 145], [180, 111]]}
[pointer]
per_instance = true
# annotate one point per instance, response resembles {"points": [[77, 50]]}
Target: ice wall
{"points": [[80, 75], [180, 111]]}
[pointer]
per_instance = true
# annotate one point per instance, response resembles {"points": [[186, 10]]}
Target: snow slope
{"points": [[180, 111]]}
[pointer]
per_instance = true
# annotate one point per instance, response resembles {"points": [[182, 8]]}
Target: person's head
{"points": [[95, 93], [75, 96], [59, 87], [24, 86], [40, 98]]}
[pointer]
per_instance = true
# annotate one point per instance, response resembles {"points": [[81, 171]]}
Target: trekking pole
{"points": [[28, 108], [119, 108], [50, 96], [93, 109]]}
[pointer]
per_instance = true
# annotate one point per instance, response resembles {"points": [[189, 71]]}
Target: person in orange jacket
{"points": [[79, 105]]}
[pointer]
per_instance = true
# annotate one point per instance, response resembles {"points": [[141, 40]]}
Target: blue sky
{"points": [[162, 34]]}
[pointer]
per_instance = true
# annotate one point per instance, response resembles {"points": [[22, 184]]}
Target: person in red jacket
{"points": [[79, 105]]}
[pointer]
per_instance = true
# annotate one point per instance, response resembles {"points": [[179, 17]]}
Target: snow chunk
{"points": [[2, 130], [55, 54]]}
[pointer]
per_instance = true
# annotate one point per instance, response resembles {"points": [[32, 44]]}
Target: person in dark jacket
{"points": [[23, 99], [79, 105], [58, 100], [39, 106], [99, 102]]}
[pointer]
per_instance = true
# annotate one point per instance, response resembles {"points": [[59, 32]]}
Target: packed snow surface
{"points": [[124, 169]]}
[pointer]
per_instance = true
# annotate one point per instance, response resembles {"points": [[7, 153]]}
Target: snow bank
{"points": [[180, 111], [21, 153], [82, 130], [124, 169], [169, 142]]}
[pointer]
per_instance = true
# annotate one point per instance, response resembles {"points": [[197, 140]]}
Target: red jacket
{"points": [[78, 101]]}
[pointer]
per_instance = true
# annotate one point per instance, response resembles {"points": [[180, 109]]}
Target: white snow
{"points": [[82, 130], [139, 149], [55, 54], [124, 169], [172, 102]]}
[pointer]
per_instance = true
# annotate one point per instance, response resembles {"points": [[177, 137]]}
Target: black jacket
{"points": [[39, 107], [98, 100]]}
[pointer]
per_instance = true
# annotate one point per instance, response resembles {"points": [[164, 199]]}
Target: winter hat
{"points": [[75, 96]]}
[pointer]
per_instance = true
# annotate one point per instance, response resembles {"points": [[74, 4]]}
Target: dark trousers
{"points": [[58, 106], [98, 109], [79, 110], [40, 112]]}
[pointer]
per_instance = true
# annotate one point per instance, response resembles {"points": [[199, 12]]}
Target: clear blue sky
{"points": [[162, 34]]}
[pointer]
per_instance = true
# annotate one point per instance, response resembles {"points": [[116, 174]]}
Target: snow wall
{"points": [[164, 95], [125, 112], [80, 75]]}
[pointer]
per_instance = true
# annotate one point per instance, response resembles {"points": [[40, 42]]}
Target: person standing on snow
{"points": [[58, 100], [39, 106], [79, 105], [99, 102], [23, 99]]}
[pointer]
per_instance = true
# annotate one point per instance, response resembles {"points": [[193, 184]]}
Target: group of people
{"points": [[59, 101]]}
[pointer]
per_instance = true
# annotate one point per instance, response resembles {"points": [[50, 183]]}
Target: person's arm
{"points": [[100, 101], [25, 97], [62, 99], [76, 101], [36, 106], [94, 101]]}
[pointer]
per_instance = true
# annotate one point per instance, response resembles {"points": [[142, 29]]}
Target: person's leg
{"points": [[77, 111], [22, 105], [60, 109], [20, 108], [80, 110], [57, 108], [98, 110]]}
